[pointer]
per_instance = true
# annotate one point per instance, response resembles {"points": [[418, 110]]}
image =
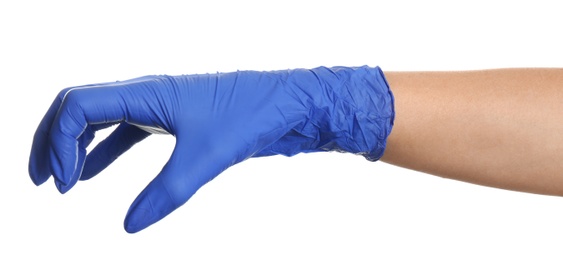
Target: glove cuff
{"points": [[382, 115], [350, 109], [362, 113]]}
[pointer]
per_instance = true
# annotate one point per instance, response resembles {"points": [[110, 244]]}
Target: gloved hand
{"points": [[218, 120]]}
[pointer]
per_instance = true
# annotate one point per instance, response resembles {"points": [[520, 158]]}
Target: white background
{"points": [[312, 206]]}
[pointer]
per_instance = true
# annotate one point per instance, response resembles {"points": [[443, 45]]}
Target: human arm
{"points": [[497, 127], [500, 127]]}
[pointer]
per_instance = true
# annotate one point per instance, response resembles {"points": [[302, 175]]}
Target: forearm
{"points": [[500, 128]]}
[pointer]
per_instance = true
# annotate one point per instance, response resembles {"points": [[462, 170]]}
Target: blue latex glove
{"points": [[218, 120]]}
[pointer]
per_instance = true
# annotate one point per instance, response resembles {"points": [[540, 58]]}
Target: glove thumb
{"points": [[192, 164]]}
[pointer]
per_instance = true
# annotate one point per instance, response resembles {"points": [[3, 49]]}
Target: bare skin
{"points": [[501, 128]]}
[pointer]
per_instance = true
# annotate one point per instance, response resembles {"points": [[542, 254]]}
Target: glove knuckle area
{"points": [[72, 96], [70, 120], [62, 94]]}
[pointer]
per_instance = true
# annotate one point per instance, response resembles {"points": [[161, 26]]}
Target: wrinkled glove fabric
{"points": [[218, 120]]}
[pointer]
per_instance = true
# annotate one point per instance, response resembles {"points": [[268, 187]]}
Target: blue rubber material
{"points": [[218, 120]]}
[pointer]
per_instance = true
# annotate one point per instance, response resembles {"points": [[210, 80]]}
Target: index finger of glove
{"points": [[39, 163], [80, 107], [39, 170]]}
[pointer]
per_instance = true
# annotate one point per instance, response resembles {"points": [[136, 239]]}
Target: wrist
{"points": [[349, 109]]}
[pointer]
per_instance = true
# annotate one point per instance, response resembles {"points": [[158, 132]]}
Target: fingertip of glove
{"points": [[136, 220], [61, 179], [37, 179], [61, 187], [35, 174], [131, 229]]}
